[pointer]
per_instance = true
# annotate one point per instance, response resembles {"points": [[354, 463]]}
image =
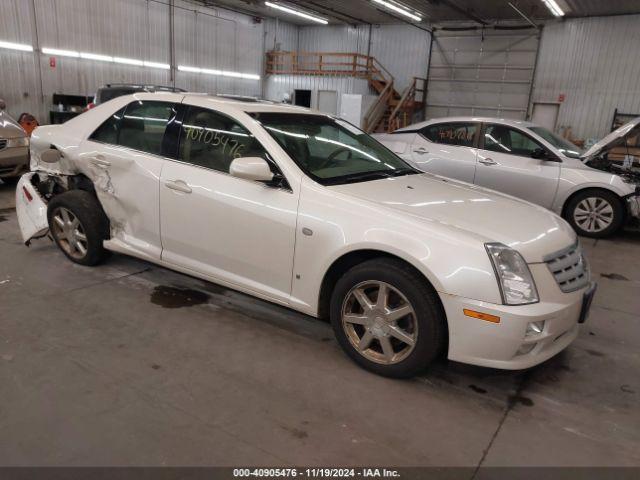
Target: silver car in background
{"points": [[527, 161], [14, 147]]}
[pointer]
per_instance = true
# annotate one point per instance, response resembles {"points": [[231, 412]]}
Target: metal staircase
{"points": [[390, 111]]}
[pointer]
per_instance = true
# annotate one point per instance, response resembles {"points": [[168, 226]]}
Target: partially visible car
{"points": [[14, 147], [527, 161], [114, 90]]}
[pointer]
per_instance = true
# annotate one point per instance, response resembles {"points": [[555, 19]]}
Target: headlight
{"points": [[18, 142], [514, 278]]}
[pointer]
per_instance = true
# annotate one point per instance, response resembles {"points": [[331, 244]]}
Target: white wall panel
{"points": [[280, 35], [595, 63], [403, 50]]}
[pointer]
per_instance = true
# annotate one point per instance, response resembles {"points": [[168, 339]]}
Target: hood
{"points": [[490, 216], [9, 128], [614, 138]]}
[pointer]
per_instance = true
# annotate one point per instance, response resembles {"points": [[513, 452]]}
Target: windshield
{"points": [[331, 151], [565, 147]]}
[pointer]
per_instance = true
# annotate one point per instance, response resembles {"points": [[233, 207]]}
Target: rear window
{"points": [[143, 125], [108, 131]]}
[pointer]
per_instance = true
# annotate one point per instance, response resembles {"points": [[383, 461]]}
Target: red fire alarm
{"points": [[561, 97], [52, 62]]}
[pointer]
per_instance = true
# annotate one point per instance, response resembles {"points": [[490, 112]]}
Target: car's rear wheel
{"points": [[595, 213], [387, 318], [78, 226]]}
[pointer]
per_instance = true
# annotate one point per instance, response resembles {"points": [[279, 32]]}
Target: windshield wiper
{"points": [[404, 171], [358, 177]]}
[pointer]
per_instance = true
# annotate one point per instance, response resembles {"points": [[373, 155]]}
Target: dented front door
{"points": [[125, 169]]}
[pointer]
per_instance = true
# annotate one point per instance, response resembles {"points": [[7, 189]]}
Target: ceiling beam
{"points": [[463, 12]]}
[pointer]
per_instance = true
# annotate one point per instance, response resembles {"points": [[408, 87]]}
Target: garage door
{"points": [[479, 74]]}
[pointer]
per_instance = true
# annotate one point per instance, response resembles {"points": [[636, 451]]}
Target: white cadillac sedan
{"points": [[307, 211], [526, 161]]}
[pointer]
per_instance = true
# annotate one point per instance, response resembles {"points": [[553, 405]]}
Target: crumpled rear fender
{"points": [[31, 209]]}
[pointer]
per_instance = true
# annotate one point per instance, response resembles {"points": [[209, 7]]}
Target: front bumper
{"points": [[506, 344], [633, 205]]}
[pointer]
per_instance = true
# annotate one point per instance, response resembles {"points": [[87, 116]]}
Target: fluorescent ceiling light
{"points": [[554, 8], [223, 73], [95, 56], [183, 68], [62, 53], [16, 46], [164, 66], [104, 58], [128, 61], [399, 9], [296, 12]]}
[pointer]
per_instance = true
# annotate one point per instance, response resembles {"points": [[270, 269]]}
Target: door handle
{"points": [[100, 162], [421, 150], [488, 161], [178, 185]]}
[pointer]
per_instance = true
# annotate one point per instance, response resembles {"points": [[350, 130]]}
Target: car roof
{"points": [[239, 103], [503, 121]]}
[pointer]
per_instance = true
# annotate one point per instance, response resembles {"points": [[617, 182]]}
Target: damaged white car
{"points": [[309, 212]]}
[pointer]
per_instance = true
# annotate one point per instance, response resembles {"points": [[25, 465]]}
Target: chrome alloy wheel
{"points": [[379, 322], [69, 232], [593, 214]]}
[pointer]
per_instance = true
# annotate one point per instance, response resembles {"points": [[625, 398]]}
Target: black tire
{"points": [[431, 331], [597, 197], [92, 220]]}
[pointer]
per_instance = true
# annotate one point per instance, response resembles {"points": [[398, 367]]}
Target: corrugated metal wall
{"points": [[595, 63], [402, 49], [486, 74], [139, 29]]}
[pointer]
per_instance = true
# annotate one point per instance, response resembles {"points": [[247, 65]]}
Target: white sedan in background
{"points": [[526, 161], [307, 211]]}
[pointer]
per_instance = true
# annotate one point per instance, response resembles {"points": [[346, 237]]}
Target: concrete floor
{"points": [[95, 369]]}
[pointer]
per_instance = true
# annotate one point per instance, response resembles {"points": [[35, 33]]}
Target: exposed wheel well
{"points": [[81, 182], [344, 263], [590, 189]]}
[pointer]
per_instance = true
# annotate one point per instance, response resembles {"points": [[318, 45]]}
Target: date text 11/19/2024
{"points": [[315, 472]]}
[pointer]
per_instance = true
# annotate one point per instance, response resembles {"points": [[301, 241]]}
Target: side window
{"points": [[143, 125], [108, 131], [499, 138], [459, 134], [212, 140]]}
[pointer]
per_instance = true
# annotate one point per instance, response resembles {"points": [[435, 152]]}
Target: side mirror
{"points": [[251, 168], [540, 154], [50, 156]]}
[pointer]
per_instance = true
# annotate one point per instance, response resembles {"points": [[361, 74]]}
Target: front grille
{"points": [[569, 268], [3, 143]]}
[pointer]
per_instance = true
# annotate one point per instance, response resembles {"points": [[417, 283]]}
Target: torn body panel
{"points": [[31, 209], [125, 182]]}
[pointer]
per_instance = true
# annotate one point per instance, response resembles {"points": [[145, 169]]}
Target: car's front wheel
{"points": [[388, 318], [595, 213], [78, 226]]}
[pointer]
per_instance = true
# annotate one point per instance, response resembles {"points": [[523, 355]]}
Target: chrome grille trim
{"points": [[569, 268]]}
